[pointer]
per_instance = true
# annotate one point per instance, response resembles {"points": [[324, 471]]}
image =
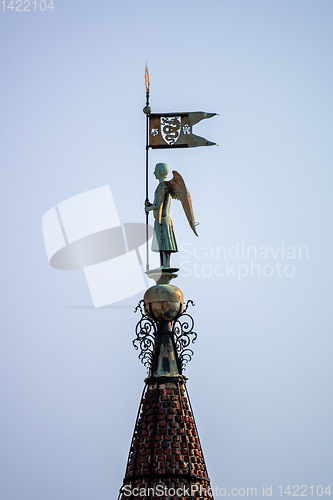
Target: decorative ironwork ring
{"points": [[182, 330]]}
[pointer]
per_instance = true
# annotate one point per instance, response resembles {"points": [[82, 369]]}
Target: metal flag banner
{"points": [[174, 130]]}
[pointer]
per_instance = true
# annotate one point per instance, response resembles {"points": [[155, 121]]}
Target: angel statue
{"points": [[164, 239]]}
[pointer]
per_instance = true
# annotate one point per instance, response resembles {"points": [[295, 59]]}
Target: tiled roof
{"points": [[165, 448]]}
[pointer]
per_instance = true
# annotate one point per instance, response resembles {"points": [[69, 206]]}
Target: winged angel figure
{"points": [[164, 239]]}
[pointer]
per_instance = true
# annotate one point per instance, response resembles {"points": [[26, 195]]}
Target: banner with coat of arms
{"points": [[174, 130]]}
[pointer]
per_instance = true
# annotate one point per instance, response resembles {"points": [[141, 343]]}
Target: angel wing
{"points": [[179, 191]]}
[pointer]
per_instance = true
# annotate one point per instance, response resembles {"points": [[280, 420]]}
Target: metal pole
{"points": [[147, 111], [147, 149]]}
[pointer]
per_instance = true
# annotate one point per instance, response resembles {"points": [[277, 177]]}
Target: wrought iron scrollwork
{"points": [[184, 335], [145, 337], [146, 330]]}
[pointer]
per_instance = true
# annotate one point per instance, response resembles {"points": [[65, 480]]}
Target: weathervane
{"points": [[168, 131]]}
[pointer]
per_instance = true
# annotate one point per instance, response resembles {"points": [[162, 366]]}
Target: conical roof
{"points": [[165, 458], [165, 452]]}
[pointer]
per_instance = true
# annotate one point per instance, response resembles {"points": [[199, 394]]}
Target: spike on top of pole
{"points": [[147, 81], [147, 109]]}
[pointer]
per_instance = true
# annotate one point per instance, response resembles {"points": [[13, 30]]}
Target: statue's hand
{"points": [[147, 205]]}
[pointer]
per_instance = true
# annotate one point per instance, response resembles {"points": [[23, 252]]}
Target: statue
{"points": [[164, 239]]}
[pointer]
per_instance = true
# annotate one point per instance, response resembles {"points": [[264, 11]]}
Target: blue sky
{"points": [[72, 91]]}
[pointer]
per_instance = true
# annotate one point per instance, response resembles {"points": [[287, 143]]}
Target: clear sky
{"points": [[72, 93]]}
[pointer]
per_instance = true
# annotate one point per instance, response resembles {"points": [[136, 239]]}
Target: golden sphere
{"points": [[163, 302]]}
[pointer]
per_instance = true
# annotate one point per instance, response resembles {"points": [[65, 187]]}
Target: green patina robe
{"points": [[164, 238]]}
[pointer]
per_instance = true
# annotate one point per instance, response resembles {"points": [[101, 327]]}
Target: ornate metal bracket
{"points": [[184, 335], [145, 337]]}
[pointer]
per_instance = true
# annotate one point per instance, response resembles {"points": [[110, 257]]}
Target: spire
{"points": [[165, 457]]}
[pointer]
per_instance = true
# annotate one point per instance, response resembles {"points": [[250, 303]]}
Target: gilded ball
{"points": [[163, 302]]}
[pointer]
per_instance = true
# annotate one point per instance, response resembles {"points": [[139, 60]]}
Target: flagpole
{"points": [[147, 111]]}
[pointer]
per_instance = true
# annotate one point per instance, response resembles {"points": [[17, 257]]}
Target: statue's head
{"points": [[161, 171]]}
